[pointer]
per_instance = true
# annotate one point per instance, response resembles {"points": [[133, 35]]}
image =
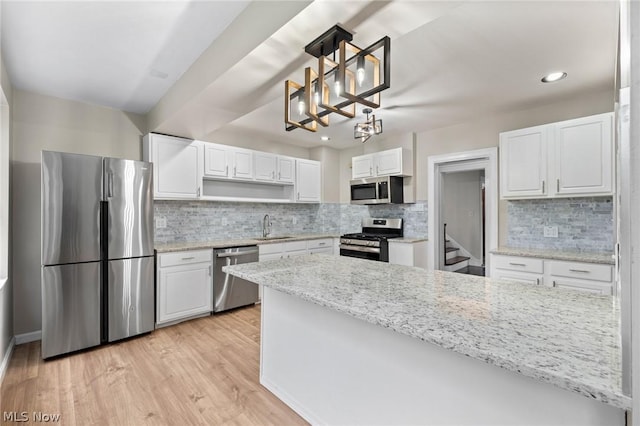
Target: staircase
{"points": [[453, 261]]}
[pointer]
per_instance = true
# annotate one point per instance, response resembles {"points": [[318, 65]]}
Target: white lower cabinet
{"points": [[409, 254], [580, 276], [184, 286]]}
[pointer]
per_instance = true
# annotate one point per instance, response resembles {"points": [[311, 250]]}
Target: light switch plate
{"points": [[551, 232], [161, 222]]}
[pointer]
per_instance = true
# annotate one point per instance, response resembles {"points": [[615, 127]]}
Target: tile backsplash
{"points": [[207, 221], [584, 224]]}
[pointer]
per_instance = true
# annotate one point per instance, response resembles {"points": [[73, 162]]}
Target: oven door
{"points": [[351, 250]]}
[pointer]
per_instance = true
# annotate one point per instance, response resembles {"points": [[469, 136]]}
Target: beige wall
{"points": [[330, 159], [41, 122]]}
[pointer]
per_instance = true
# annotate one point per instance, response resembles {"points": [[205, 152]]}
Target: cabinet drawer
{"points": [[583, 271], [519, 277], [516, 263], [594, 287], [295, 246], [322, 243], [270, 248], [184, 257]]}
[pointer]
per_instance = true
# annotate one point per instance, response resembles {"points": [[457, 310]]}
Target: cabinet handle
{"points": [[273, 175], [557, 185], [554, 283], [377, 170], [543, 187], [322, 244], [517, 264], [198, 193], [188, 258], [370, 170], [537, 281], [234, 171], [226, 170], [279, 175], [579, 270], [298, 196]]}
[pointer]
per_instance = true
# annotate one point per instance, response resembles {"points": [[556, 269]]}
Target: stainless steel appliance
{"points": [[379, 190], [97, 251], [372, 243], [229, 291]]}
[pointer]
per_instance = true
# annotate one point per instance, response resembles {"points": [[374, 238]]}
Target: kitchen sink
{"points": [[271, 238]]}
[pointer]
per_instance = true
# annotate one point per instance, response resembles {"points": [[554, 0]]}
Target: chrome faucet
{"points": [[266, 226]]}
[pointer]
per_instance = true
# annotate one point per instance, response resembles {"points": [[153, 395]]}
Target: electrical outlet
{"points": [[161, 222], [551, 232]]}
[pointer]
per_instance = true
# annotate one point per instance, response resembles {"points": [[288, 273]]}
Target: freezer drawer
{"points": [[70, 308], [128, 190], [130, 292]]}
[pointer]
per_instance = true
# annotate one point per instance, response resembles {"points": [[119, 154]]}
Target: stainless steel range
{"points": [[372, 242]]}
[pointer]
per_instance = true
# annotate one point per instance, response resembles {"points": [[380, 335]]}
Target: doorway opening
{"points": [[463, 206]]}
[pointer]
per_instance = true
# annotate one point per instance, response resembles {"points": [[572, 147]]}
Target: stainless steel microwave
{"points": [[379, 190]]}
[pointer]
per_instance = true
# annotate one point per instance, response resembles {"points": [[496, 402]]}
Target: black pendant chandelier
{"points": [[353, 76], [371, 127]]}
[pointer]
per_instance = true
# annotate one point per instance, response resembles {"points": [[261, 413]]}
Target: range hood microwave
{"points": [[379, 190]]}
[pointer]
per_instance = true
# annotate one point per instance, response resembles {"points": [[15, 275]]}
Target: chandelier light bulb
{"points": [[360, 74], [337, 88], [301, 107], [316, 98]]}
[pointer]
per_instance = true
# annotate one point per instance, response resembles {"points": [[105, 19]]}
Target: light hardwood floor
{"points": [[201, 372]]}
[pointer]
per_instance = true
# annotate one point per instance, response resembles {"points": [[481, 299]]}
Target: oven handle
{"points": [[360, 248]]}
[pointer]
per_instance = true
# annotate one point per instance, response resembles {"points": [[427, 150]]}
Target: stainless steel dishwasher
{"points": [[229, 291]]}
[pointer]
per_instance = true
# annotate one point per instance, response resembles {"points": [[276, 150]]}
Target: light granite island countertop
{"points": [[566, 339]]}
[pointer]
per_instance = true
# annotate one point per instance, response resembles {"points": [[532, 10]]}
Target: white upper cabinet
{"points": [[392, 162], [177, 173], [583, 156], [523, 163], [362, 166], [308, 187], [216, 163], [274, 168], [286, 172], [241, 163], [565, 159], [265, 166]]}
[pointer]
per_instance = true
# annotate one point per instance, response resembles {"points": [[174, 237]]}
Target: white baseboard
{"points": [[6, 359], [28, 337]]}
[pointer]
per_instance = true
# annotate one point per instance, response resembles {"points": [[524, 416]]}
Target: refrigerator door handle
{"points": [[110, 185]]}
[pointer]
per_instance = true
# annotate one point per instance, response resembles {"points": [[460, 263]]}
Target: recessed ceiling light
{"points": [[554, 76], [324, 138]]}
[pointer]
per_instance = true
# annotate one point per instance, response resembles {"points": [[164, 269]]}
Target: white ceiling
{"points": [[450, 61]]}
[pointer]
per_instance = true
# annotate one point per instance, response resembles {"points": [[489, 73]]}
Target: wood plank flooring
{"points": [[201, 372]]}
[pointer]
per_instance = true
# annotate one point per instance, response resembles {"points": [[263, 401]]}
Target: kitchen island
{"points": [[350, 341]]}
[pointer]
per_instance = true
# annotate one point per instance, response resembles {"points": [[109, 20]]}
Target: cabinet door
{"points": [[308, 181], [519, 277], [583, 151], [175, 167], [579, 285], [389, 162], [286, 170], [184, 291], [265, 166], [215, 160], [362, 166], [523, 163], [242, 164]]}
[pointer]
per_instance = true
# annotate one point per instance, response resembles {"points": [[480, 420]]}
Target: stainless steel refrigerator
{"points": [[97, 251]]}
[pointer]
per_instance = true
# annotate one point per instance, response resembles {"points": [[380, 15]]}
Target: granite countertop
{"points": [[562, 337], [407, 240], [569, 255], [215, 244]]}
